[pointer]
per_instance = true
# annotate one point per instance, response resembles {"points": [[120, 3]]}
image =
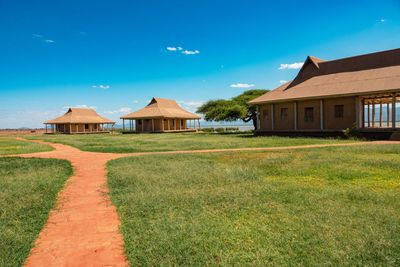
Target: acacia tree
{"points": [[233, 109]]}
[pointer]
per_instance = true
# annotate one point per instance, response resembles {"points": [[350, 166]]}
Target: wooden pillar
{"points": [[369, 124], [321, 113], [152, 125], [84, 128], [199, 125], [142, 125], [363, 113], [258, 118], [394, 111], [272, 117], [162, 124], [387, 115], [168, 124], [46, 128], [190, 123], [358, 119], [295, 116], [70, 128], [123, 124], [373, 114], [175, 124], [194, 124], [380, 115]]}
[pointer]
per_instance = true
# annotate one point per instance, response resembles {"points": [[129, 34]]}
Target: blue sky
{"points": [[116, 55]]}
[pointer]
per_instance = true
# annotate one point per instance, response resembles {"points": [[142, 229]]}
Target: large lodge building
{"points": [[329, 96]]}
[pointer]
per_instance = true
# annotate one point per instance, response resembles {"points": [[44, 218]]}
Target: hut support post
{"points": [[162, 124], [362, 113], [358, 121], [321, 113], [272, 117], [46, 128], [152, 125], [70, 128], [123, 124], [387, 115], [175, 124], [295, 116], [199, 124], [373, 115], [380, 115], [394, 111], [368, 116]]}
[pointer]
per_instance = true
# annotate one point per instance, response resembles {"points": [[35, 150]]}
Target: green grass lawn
{"points": [[119, 143], [28, 190], [312, 207], [10, 146]]}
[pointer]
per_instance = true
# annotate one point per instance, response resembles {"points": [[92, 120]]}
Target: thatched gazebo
{"points": [[79, 121], [161, 115]]}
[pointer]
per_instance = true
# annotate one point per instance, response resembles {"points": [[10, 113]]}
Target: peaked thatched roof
{"points": [[161, 108], [80, 115], [369, 73]]}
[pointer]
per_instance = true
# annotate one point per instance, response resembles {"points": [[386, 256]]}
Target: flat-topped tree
{"points": [[233, 109]]}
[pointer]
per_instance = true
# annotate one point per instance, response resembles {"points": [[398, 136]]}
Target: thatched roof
{"points": [[80, 115], [370, 73], [161, 108]]}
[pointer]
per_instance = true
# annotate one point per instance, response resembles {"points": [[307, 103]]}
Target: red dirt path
{"points": [[84, 229]]}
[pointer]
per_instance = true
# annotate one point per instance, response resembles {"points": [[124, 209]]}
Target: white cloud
{"points": [[187, 52], [37, 35], [49, 41], [296, 65], [282, 81], [121, 110], [191, 103], [105, 87], [179, 48], [135, 101], [79, 106], [383, 20], [242, 85]]}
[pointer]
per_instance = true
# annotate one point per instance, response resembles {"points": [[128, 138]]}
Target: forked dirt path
{"points": [[84, 228]]}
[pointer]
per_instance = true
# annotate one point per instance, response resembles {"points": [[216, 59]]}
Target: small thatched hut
{"points": [[79, 120], [161, 115]]}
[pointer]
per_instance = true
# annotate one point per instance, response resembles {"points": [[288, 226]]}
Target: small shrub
{"points": [[208, 130], [351, 132]]}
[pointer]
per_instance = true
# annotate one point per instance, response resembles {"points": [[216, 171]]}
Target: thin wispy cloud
{"points": [[121, 110], [188, 52], [105, 87], [180, 49], [382, 20], [135, 101], [293, 66], [39, 36], [191, 103], [282, 81], [242, 85], [78, 106]]}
